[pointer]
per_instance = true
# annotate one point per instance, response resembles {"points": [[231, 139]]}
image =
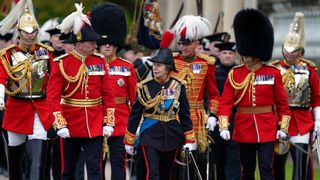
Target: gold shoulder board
{"points": [[175, 54], [309, 62], [60, 57], [98, 54], [274, 62], [46, 46], [140, 84], [211, 60], [4, 50], [125, 60]]}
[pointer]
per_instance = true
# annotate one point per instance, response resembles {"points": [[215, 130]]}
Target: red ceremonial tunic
{"points": [[124, 81], [81, 120], [267, 91], [19, 113], [302, 120], [201, 83]]}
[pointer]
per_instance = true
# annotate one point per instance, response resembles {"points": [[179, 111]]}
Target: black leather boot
{"points": [[15, 154]]}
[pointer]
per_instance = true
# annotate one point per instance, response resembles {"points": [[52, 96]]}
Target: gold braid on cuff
{"points": [[285, 123], [223, 123], [129, 138], [109, 119], [190, 136], [59, 121]]}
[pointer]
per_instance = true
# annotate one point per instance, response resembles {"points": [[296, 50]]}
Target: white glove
{"points": [[2, 92], [129, 149], [225, 134], [281, 135], [316, 115], [63, 133], [190, 146], [317, 127], [107, 131], [211, 124], [146, 61]]}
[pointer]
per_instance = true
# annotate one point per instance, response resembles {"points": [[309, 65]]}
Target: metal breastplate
{"points": [[31, 73], [296, 82]]}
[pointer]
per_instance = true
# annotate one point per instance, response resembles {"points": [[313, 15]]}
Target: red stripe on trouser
{"points": [[125, 164], [62, 157], [174, 158], [146, 161]]}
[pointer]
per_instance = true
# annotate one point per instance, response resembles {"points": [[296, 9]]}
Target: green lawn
{"points": [[289, 167]]}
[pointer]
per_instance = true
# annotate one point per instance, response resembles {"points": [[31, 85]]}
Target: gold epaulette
{"points": [[125, 60], [274, 62], [183, 82], [98, 54], [60, 57], [309, 62], [211, 60], [140, 84], [4, 50], [175, 54], [46, 46]]}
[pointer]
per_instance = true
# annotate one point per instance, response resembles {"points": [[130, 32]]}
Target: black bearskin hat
{"points": [[109, 21], [254, 34]]}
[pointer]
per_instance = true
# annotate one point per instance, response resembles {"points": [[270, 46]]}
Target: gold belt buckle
{"points": [[164, 118]]}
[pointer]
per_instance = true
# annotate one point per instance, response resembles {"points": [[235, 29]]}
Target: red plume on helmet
{"points": [[164, 54], [166, 40]]}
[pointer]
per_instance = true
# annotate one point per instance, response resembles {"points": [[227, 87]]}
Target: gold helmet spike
{"points": [[28, 22], [20, 17], [295, 38]]}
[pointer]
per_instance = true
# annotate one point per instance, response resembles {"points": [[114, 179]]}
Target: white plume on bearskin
{"points": [[12, 19], [75, 21], [196, 27]]}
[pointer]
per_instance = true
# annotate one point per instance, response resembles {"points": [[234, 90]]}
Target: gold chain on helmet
{"points": [[79, 77], [241, 86]]}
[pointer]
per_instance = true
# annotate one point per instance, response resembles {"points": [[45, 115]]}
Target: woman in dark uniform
{"points": [[166, 124]]}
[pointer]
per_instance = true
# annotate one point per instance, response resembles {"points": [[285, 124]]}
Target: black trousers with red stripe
{"points": [[159, 164], [70, 150]]}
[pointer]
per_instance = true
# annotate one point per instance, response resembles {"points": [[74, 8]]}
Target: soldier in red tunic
{"points": [[24, 72], [198, 71], [81, 98], [302, 87], [257, 91], [109, 21]]}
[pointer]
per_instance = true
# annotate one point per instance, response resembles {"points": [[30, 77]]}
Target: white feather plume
{"points": [[75, 21], [196, 27], [13, 17]]}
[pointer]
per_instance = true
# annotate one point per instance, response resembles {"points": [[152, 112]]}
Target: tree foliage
{"points": [[46, 9]]}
